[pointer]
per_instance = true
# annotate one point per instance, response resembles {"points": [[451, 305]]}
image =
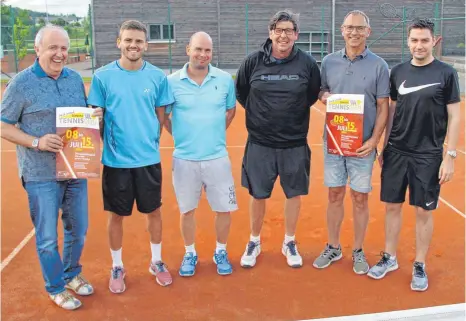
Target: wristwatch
{"points": [[35, 143], [451, 153]]}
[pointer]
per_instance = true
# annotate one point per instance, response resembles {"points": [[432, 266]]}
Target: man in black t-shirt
{"points": [[424, 109]]}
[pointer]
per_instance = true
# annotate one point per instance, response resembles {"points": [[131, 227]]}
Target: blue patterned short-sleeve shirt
{"points": [[30, 101]]}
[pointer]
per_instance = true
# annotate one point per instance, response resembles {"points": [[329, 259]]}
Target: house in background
{"points": [[240, 27]]}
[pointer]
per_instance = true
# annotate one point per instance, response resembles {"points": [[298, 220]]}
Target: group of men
{"points": [[134, 100]]}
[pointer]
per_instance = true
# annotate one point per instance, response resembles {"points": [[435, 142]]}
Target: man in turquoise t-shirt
{"points": [[132, 94], [203, 109]]}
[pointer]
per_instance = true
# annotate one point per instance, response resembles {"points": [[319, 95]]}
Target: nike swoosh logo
{"points": [[404, 91], [428, 204]]}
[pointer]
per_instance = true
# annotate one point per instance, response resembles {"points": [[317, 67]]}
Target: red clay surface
{"points": [[271, 290]]}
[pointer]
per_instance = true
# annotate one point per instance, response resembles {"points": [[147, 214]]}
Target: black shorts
{"points": [[122, 186], [262, 165], [421, 175]]}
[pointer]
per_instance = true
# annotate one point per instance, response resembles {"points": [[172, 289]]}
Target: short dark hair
{"points": [[422, 24], [133, 25], [284, 15]]}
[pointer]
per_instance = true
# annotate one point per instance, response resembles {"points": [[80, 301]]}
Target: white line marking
{"points": [[441, 312], [17, 249], [452, 207], [441, 199]]}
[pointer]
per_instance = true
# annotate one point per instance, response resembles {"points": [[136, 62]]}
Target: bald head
{"points": [[199, 50], [200, 35]]}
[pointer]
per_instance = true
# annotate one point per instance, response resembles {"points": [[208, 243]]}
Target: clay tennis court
{"points": [[271, 290]]}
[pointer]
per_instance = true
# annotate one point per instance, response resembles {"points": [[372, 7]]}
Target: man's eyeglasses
{"points": [[279, 31], [359, 29]]}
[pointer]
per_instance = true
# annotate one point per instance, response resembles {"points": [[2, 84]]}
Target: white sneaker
{"points": [[80, 285], [65, 300], [248, 260], [290, 251]]}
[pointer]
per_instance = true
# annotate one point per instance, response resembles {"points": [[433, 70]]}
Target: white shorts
{"points": [[189, 177]]}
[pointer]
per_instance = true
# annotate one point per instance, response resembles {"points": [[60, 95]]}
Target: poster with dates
{"points": [[344, 124], [80, 156]]}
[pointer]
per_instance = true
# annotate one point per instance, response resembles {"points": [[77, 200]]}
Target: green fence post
{"points": [[321, 36], [91, 39], [247, 29], [169, 39], [13, 35], [403, 35], [436, 19]]}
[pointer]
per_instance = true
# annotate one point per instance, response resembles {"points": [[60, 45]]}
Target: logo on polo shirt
{"points": [[279, 77], [402, 90], [147, 90]]}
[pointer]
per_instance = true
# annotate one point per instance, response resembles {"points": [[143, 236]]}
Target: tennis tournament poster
{"points": [[344, 124], [80, 156]]}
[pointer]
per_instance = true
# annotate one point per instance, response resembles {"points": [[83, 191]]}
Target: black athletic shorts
{"points": [[261, 166], [421, 175], [122, 186]]}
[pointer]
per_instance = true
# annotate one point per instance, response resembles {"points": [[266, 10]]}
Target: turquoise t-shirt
{"points": [[199, 114], [131, 130]]}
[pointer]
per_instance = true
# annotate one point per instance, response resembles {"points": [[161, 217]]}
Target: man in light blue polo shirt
{"points": [[29, 121], [132, 95], [353, 70], [204, 108]]}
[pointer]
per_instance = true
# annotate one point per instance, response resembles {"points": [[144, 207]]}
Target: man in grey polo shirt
{"points": [[353, 70], [28, 120]]}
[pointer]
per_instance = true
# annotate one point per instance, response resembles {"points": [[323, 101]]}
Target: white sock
{"points": [[289, 239], [393, 257], [156, 250], [191, 248], [255, 239], [116, 257], [220, 247]]}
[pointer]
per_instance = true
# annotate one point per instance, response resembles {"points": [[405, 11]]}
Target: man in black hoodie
{"points": [[277, 85]]}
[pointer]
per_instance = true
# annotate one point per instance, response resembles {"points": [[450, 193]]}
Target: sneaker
{"points": [[80, 285], [117, 280], [328, 256], [65, 300], [223, 264], [160, 271], [290, 251], [384, 266], [188, 266], [253, 249], [419, 281], [360, 265]]}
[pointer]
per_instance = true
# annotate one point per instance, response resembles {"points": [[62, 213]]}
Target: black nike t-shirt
{"points": [[422, 94]]}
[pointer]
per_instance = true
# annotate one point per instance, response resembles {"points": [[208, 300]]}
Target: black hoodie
{"points": [[277, 96]]}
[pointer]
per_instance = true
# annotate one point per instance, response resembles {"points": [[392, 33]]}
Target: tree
{"points": [[21, 33], [59, 22]]}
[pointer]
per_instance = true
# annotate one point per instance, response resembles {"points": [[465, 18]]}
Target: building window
{"points": [[160, 32]]}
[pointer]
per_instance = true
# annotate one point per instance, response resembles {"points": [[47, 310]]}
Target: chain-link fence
{"points": [[18, 31]]}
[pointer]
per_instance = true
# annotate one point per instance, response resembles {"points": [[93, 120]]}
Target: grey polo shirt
{"points": [[367, 74], [30, 102]]}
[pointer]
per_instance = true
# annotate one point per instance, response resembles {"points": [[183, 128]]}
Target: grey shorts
{"points": [[214, 176], [262, 165]]}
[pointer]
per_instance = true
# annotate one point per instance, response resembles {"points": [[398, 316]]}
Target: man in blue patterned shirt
{"points": [[28, 120]]}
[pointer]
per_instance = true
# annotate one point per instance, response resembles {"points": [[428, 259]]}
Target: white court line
{"points": [[454, 312], [323, 114], [17, 249], [441, 199]]}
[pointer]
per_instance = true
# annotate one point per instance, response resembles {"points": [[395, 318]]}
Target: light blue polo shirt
{"points": [[131, 127], [30, 102], [199, 114]]}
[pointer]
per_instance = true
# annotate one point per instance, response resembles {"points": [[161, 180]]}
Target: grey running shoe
{"points": [[419, 281], [328, 256], [360, 265], [384, 266]]}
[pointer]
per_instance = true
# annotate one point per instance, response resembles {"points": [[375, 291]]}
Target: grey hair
{"points": [[284, 15], [360, 13], [40, 33]]}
